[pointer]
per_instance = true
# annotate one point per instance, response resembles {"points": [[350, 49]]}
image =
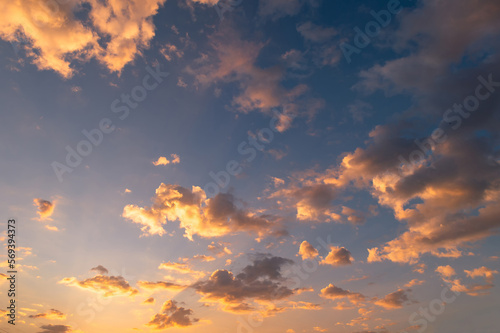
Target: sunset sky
{"points": [[267, 166]]}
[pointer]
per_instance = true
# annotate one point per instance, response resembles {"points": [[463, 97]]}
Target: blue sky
{"points": [[356, 145]]}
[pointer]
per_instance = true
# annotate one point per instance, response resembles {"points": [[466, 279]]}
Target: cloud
{"points": [[414, 282], [182, 268], [207, 2], [219, 249], [45, 208], [276, 9], [394, 300], [313, 202], [113, 32], [357, 217], [449, 197], [333, 292], [55, 329], [315, 33], [338, 256], [307, 251], [434, 46], [261, 281], [485, 272], [234, 60], [446, 271], [164, 161], [150, 300], [99, 269], [52, 314], [172, 316], [170, 50], [159, 285], [107, 285], [198, 215]]}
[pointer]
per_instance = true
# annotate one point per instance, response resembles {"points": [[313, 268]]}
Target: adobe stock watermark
{"points": [[453, 117], [297, 274], [249, 147], [122, 107], [372, 29], [435, 308], [226, 6]]}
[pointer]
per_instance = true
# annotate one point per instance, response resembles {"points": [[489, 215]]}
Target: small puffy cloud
{"points": [[150, 300], [55, 329], [277, 181], [446, 271], [338, 256], [335, 293], [394, 300], [307, 251], [52, 314], [214, 217], [172, 316], [107, 285], [175, 159], [45, 208], [159, 285], [100, 270], [414, 282], [51, 228]]}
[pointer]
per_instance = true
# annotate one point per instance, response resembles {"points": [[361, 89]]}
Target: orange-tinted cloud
{"points": [[219, 249], [159, 285], [333, 292], [51, 314], [197, 215], [235, 60], [394, 300], [485, 272], [57, 38], [338, 256], [175, 159], [45, 208], [107, 285], [182, 268], [307, 251]]}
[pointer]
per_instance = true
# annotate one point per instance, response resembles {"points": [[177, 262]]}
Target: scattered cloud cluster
{"points": [[59, 39], [198, 215], [175, 159]]}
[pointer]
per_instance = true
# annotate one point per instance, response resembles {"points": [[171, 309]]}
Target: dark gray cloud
{"points": [[172, 316]]}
